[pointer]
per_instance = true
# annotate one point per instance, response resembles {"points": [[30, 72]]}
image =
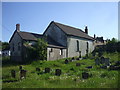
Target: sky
{"points": [[100, 17]]}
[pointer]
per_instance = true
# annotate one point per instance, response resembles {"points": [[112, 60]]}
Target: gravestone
{"points": [[99, 54], [22, 74], [38, 69], [85, 75], [107, 61], [77, 58], [97, 61], [117, 63], [102, 60], [13, 73], [20, 67], [112, 67], [66, 61], [58, 72], [47, 70], [77, 64], [103, 67], [89, 67], [73, 58]]}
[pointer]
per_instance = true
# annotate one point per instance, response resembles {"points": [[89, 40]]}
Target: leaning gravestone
{"points": [[13, 73], [47, 70], [97, 61], [58, 72], [85, 75], [22, 74], [66, 61]]}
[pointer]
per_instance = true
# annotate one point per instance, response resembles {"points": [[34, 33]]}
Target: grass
{"points": [[71, 76]]}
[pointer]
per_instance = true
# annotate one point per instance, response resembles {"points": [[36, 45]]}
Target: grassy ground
{"points": [[71, 76]]}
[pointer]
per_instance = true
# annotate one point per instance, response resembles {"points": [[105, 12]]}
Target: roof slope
{"points": [[29, 36], [73, 31]]}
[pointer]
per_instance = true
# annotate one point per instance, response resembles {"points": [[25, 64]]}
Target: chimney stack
{"points": [[86, 30], [18, 27], [94, 36]]}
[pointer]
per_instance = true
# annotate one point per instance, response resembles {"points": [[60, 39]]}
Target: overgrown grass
{"points": [[71, 76]]}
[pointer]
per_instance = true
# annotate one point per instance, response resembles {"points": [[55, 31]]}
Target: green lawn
{"points": [[71, 76]]}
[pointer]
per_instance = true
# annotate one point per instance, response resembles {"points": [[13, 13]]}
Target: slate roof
{"points": [[29, 36], [73, 31], [34, 36]]}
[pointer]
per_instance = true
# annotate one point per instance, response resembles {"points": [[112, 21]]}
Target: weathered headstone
{"points": [[103, 67], [117, 63], [112, 67], [13, 73], [66, 61], [102, 60], [73, 58], [38, 69], [22, 74], [107, 61], [20, 67], [47, 70], [99, 54], [77, 64], [58, 72], [89, 67], [85, 75], [97, 61]]}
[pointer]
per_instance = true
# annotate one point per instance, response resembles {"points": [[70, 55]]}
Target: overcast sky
{"points": [[100, 17]]}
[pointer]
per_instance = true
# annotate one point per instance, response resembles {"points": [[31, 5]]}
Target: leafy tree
{"points": [[38, 51], [5, 45]]}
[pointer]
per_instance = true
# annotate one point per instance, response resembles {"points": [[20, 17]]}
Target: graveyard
{"points": [[84, 72]]}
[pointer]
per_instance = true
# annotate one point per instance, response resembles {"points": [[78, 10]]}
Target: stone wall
{"points": [[55, 53], [16, 44], [72, 46]]}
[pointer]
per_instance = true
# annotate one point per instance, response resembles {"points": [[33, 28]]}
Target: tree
{"points": [[5, 45], [38, 51]]}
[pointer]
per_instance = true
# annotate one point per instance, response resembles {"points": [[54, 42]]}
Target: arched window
{"points": [[77, 45]]}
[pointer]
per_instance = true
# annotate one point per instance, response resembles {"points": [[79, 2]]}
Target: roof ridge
{"points": [[70, 27]]}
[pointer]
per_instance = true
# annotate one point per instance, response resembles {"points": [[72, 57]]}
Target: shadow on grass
{"points": [[7, 62]]}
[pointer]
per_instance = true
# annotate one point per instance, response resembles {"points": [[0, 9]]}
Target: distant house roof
{"points": [[73, 31]]}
